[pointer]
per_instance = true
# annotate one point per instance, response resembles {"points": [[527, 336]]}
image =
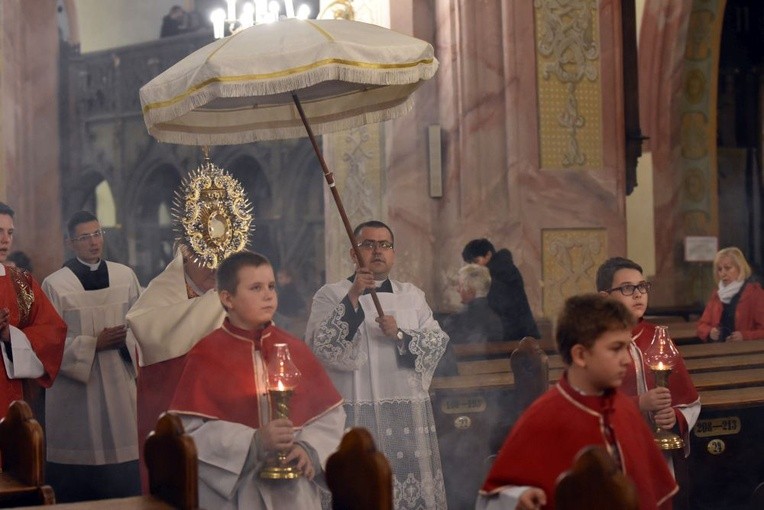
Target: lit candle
{"points": [[273, 10], [231, 10], [280, 386], [218, 23], [247, 18], [303, 11], [289, 8], [261, 10]]}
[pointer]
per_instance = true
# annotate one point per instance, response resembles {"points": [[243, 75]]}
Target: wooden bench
{"points": [[22, 449], [173, 477]]}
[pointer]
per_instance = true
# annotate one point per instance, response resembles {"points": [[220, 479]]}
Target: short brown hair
{"points": [[228, 270], [585, 318]]}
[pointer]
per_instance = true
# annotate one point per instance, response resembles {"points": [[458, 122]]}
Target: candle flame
{"points": [[280, 386]]}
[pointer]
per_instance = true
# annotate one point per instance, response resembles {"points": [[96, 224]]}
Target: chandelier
{"points": [[225, 22]]}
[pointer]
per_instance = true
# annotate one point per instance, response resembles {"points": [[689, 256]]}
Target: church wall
{"points": [[29, 146]]}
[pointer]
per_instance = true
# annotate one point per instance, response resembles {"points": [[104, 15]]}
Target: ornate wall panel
{"points": [[569, 86], [570, 261], [356, 159], [698, 192]]}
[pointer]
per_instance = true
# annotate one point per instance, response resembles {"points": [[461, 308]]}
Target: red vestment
{"points": [[683, 392], [545, 440], [218, 379], [32, 313]]}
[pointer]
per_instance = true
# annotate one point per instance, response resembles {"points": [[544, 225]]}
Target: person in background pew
{"points": [[735, 311], [676, 407], [222, 398], [476, 322], [584, 408], [507, 293]]}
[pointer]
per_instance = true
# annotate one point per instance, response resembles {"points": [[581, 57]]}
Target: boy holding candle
{"points": [[222, 398], [676, 407], [584, 408]]}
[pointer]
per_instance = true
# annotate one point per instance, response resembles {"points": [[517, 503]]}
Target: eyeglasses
{"points": [[86, 237], [628, 289], [370, 245]]}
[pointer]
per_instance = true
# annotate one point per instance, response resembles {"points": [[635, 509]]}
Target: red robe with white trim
{"points": [[32, 313], [683, 392], [218, 377], [545, 440]]}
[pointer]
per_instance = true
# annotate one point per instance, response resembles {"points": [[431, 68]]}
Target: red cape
{"points": [[218, 377], [683, 392], [39, 321], [545, 440]]}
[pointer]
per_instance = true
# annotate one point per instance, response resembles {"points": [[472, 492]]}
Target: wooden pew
{"points": [[173, 477], [22, 449]]}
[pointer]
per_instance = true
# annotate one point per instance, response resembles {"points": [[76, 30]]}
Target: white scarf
{"points": [[727, 293]]}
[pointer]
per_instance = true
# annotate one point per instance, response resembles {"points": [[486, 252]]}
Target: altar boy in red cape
{"points": [[676, 407], [32, 334], [223, 401], [584, 408]]}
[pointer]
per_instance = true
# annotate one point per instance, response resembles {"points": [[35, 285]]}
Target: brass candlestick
{"points": [[665, 439], [661, 357], [277, 467], [283, 377]]}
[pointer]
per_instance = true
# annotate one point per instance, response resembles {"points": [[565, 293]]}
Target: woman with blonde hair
{"points": [[735, 311]]}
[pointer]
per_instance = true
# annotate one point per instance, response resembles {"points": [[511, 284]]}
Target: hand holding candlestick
{"points": [[661, 357]]}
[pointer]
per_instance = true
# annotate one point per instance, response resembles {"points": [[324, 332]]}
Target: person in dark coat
{"points": [[507, 293]]}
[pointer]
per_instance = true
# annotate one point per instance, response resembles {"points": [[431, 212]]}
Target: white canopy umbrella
{"points": [[240, 89]]}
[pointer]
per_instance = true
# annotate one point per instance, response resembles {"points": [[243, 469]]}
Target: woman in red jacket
{"points": [[736, 309]]}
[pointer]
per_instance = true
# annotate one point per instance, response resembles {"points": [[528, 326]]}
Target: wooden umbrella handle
{"points": [[329, 176]]}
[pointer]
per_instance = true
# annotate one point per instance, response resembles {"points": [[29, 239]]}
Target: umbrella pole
{"points": [[329, 176]]}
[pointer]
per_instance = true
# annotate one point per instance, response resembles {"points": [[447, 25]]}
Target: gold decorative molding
{"points": [[570, 258], [698, 119], [569, 88]]}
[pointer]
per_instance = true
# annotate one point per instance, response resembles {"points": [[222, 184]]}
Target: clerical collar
{"points": [[91, 276], [93, 267]]}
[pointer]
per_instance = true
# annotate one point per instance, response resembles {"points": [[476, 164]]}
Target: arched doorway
{"points": [[150, 235]]}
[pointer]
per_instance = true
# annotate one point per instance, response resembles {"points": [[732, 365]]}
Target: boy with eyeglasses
{"points": [[676, 407], [584, 408]]}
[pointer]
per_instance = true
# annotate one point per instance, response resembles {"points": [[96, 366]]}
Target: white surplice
{"points": [[387, 397], [229, 464], [91, 409]]}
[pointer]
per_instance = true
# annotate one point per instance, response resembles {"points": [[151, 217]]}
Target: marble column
{"points": [[29, 147]]}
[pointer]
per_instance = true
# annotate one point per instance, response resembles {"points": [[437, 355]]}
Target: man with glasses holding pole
{"points": [[677, 406], [92, 442], [383, 365]]}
